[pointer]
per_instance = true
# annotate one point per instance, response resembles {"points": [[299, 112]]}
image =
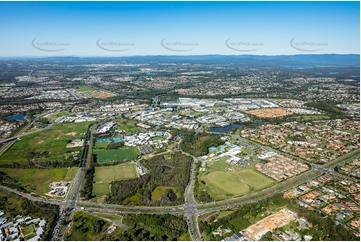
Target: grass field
{"points": [[110, 216], [28, 231], [127, 125], [56, 115], [112, 156], [134, 199], [226, 182], [106, 174], [98, 94], [254, 179], [224, 213], [159, 190], [129, 128], [223, 180], [101, 145], [85, 88], [184, 237], [38, 180], [93, 92], [47, 145]]}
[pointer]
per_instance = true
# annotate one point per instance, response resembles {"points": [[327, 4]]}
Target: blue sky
{"points": [[186, 28]]}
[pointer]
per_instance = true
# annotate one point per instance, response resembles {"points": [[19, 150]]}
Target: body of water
{"points": [[225, 129], [17, 117], [231, 127], [258, 123], [130, 72], [298, 67]]}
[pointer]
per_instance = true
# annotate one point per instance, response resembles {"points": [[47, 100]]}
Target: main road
{"points": [[190, 206], [71, 200], [190, 209]]}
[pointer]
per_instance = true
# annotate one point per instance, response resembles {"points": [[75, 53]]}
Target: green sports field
{"points": [[104, 175], [38, 180], [223, 180], [226, 182], [47, 145], [113, 156]]}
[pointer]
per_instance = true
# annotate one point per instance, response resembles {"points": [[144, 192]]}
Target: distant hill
{"points": [[312, 60]]}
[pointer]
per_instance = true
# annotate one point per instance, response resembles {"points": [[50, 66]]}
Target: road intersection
{"points": [[190, 209]]}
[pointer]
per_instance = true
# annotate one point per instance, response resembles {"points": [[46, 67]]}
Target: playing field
{"points": [[112, 156], [223, 180], [254, 179], [38, 180], [226, 182], [47, 145], [104, 175]]}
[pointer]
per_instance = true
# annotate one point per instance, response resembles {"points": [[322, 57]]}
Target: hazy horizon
{"points": [[169, 55]]}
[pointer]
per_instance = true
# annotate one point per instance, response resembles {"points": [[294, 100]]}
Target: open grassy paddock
{"points": [[28, 231], [113, 156], [106, 174], [85, 88], [38, 180], [226, 182], [159, 190], [47, 145], [93, 92], [110, 216], [101, 145], [223, 180], [127, 125], [54, 116]]}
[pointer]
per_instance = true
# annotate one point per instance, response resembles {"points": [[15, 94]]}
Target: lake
{"points": [[231, 127], [17, 117], [225, 129], [298, 67]]}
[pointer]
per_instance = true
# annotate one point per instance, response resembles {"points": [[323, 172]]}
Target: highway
{"points": [[190, 209], [31, 197], [21, 133], [72, 197], [190, 206], [25, 134], [11, 140]]}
